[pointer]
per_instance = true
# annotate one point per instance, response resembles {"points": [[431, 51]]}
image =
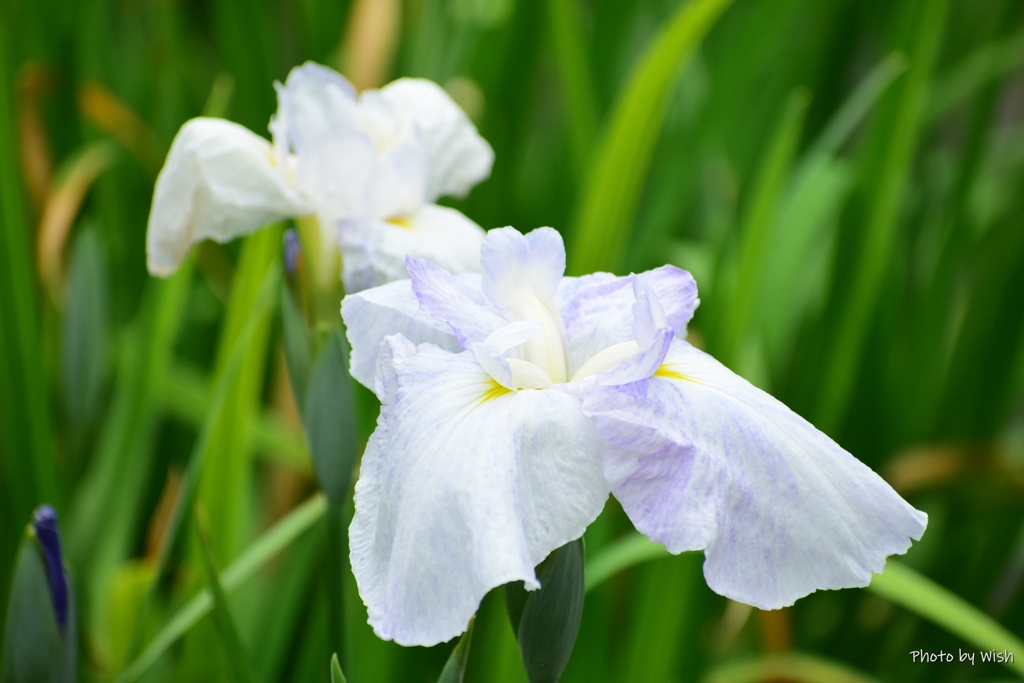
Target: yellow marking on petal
{"points": [[402, 222], [664, 371], [494, 391]]}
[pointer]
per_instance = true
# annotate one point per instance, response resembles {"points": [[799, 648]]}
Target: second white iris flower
{"points": [[368, 166]]}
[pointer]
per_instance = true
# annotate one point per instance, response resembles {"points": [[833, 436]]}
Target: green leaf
{"points": [[241, 665], [455, 668], [885, 169], [758, 228], [547, 620], [566, 22], [903, 586], [219, 412], [264, 549], [226, 488], [989, 63], [329, 419], [336, 675], [27, 452], [628, 551], [619, 166], [84, 343], [34, 647], [787, 666], [295, 336]]}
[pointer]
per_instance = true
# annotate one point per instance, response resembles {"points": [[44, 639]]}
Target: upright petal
{"points": [[218, 182], [513, 262], [459, 157], [465, 486], [701, 459], [313, 101], [337, 176], [521, 274]]}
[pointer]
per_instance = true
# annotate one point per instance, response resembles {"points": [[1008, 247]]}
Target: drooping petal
{"points": [[459, 157], [375, 250], [701, 459], [599, 313], [219, 182], [373, 314], [464, 487]]}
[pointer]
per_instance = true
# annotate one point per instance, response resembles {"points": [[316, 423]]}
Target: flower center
{"points": [[546, 349]]}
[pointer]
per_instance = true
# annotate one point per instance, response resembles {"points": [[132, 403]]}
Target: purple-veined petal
{"points": [[597, 309], [653, 336], [218, 182], [375, 250], [459, 157], [464, 486], [457, 301], [373, 314], [701, 459]]}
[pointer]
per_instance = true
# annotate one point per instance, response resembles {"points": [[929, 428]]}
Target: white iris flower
{"points": [[368, 166], [515, 400]]}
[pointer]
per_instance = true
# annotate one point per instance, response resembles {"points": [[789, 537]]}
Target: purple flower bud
{"points": [[292, 252], [44, 524]]}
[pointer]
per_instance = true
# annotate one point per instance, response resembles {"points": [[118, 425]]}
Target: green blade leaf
{"points": [[455, 668], [903, 586], [220, 410], [241, 665], [886, 169], [336, 675], [628, 551], [84, 343], [296, 339], [329, 419], [265, 548], [787, 666], [547, 620], [757, 229], [606, 208]]}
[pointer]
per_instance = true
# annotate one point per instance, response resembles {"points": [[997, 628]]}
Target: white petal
{"points": [[521, 274], [459, 157], [314, 101], [336, 174], [512, 262], [464, 487], [218, 182], [598, 311], [373, 314], [375, 251], [704, 460]]}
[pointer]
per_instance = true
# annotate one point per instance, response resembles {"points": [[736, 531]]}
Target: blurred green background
{"points": [[844, 179]]}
